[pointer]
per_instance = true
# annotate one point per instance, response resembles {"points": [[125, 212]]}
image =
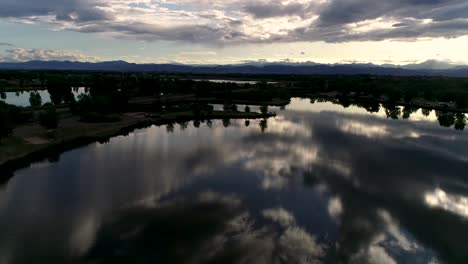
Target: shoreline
{"points": [[41, 152], [432, 105]]}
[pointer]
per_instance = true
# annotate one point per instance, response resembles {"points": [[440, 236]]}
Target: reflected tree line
{"points": [[226, 122], [457, 120], [108, 95]]}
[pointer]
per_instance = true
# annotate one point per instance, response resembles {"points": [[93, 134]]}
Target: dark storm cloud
{"points": [[276, 9], [241, 21], [338, 12], [86, 10], [412, 19], [187, 33], [446, 29]]}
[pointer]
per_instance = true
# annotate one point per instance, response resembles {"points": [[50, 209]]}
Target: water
{"points": [[322, 184], [231, 81], [22, 98]]}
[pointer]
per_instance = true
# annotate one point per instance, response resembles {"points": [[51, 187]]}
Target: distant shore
{"points": [[418, 103]]}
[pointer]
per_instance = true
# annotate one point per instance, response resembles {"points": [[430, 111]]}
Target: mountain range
{"points": [[428, 68]]}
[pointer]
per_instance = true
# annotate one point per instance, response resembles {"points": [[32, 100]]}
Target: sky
{"points": [[235, 31]]}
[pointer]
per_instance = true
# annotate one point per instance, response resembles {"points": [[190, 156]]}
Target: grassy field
{"points": [[32, 137]]}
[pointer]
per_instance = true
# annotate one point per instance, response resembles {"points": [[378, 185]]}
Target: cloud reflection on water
{"points": [[386, 185]]}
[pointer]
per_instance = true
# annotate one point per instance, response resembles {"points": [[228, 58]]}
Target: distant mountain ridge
{"points": [[428, 68]]}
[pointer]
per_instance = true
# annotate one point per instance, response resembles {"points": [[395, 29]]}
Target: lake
{"points": [[321, 184], [230, 81], [21, 98]]}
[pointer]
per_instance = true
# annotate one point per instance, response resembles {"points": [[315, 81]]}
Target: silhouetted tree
{"points": [[392, 111], [59, 91], [446, 119], [264, 109], [247, 109], [226, 122], [371, 106], [460, 121], [170, 127], [35, 99], [209, 123], [5, 121], [85, 102], [226, 106], [263, 124], [426, 112], [49, 118], [183, 125], [408, 110], [344, 101]]}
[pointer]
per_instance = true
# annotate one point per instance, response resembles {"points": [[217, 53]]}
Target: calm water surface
{"points": [[231, 81], [22, 98], [322, 184]]}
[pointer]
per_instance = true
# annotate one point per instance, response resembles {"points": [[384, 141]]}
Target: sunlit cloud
{"points": [[457, 204], [335, 208], [20, 55], [374, 254], [84, 234], [393, 229], [361, 129], [279, 215], [298, 246]]}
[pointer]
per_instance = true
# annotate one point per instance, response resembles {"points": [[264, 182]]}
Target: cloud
{"points": [[220, 228], [6, 44], [298, 246], [335, 208], [339, 12], [279, 215], [457, 204], [278, 9], [311, 143], [216, 22], [77, 10], [373, 255], [19, 55]]}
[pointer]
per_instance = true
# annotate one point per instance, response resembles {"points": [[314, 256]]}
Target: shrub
{"points": [[49, 118], [5, 121]]}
